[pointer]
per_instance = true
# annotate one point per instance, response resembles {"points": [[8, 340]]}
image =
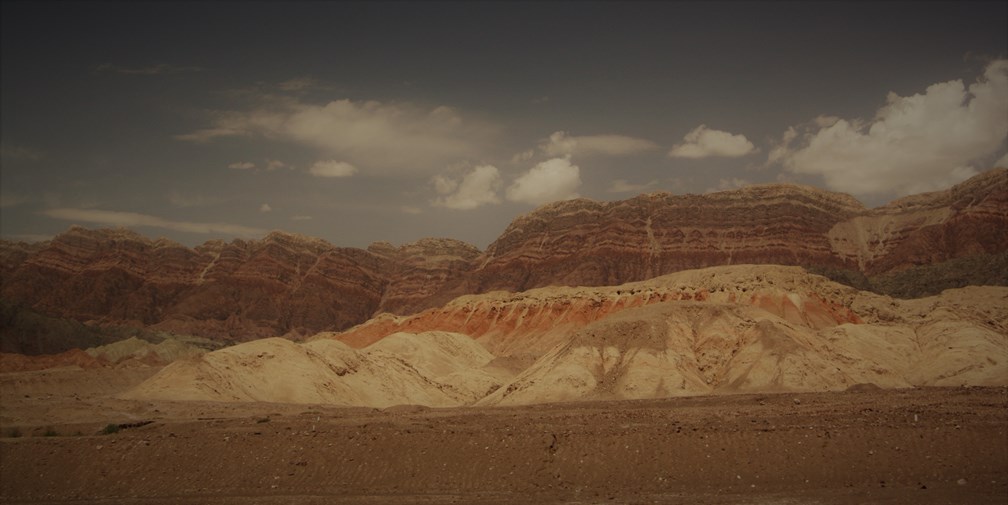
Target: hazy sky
{"points": [[396, 121]]}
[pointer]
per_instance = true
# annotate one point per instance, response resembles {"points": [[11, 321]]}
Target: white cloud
{"points": [[378, 136], [332, 168], [523, 156], [913, 144], [129, 219], [444, 184], [265, 208], [622, 186], [242, 165], [301, 218], [704, 142], [551, 180], [562, 144], [478, 187], [276, 164]]}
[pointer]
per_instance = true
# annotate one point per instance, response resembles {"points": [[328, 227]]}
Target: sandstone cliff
{"points": [[291, 285]]}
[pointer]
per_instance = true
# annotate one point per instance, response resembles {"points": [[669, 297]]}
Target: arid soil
{"points": [[928, 445]]}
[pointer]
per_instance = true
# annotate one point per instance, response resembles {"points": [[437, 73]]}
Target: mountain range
{"points": [[89, 287]]}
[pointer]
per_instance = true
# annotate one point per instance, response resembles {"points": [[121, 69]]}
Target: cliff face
{"points": [[292, 285], [968, 219], [581, 242]]}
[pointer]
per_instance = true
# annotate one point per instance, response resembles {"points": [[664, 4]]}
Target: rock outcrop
{"points": [[293, 286], [745, 328]]}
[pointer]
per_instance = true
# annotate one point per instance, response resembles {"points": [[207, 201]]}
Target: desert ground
{"points": [[865, 445]]}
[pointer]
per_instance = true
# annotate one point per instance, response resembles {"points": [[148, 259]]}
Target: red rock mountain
{"points": [[292, 285]]}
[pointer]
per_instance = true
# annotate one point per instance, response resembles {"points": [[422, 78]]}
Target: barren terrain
{"points": [[930, 445]]}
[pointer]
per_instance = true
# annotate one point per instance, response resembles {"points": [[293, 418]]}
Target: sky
{"points": [[394, 121]]}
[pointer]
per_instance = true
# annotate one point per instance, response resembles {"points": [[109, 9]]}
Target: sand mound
{"points": [[433, 369]]}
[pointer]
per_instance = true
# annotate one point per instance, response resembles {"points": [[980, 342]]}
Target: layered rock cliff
{"points": [[291, 285]]}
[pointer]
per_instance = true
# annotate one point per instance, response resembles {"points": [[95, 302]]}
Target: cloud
{"points": [[551, 180], [562, 144], [242, 165], [389, 137], [332, 168], [265, 208], [301, 218], [523, 156], [159, 69], [132, 219], [409, 209], [276, 164], [622, 186], [478, 187], [704, 142], [918, 143]]}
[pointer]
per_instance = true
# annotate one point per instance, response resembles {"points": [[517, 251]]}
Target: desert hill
{"points": [[295, 286], [743, 328]]}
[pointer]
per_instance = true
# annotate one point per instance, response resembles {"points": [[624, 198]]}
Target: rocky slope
{"points": [[745, 328], [290, 285]]}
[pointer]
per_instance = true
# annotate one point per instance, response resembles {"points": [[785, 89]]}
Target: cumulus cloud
{"points": [[265, 208], [242, 165], [623, 186], [372, 135], [332, 168], [476, 188], [130, 219], [562, 144], [551, 180], [704, 142], [523, 156], [918, 143]]}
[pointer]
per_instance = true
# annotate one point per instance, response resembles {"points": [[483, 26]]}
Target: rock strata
{"points": [[290, 285]]}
